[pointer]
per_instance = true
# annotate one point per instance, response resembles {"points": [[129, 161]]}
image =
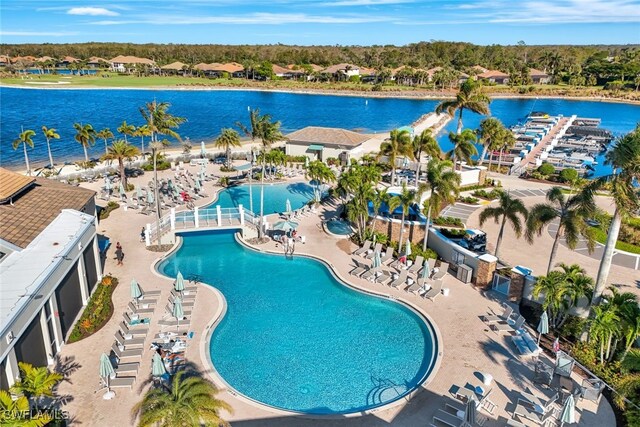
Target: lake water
{"points": [[209, 111]]}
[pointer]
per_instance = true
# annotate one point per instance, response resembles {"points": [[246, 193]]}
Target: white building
{"points": [[49, 266], [123, 64], [320, 143]]}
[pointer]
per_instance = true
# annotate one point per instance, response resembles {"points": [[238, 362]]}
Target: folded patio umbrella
{"points": [[543, 326], [150, 198], [179, 284], [407, 248], [288, 206], [157, 366], [377, 262], [178, 312], [106, 370], [568, 414], [136, 292]]}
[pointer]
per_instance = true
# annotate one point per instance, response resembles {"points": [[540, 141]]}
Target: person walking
{"points": [[142, 235], [119, 253]]}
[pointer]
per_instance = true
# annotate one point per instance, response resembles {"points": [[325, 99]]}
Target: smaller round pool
{"points": [[339, 227]]}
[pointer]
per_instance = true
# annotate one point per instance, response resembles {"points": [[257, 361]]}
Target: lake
{"points": [[209, 111]]}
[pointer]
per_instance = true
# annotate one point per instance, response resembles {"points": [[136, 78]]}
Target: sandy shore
{"points": [[418, 94]]}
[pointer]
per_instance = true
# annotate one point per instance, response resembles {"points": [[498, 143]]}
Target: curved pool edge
{"points": [[218, 316]]}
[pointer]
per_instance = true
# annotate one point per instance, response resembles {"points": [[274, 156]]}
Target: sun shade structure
{"points": [[179, 284], [543, 326], [568, 415], [285, 225], [157, 366], [106, 370]]}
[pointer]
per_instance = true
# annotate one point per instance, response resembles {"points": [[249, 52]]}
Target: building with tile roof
{"points": [[321, 143]]}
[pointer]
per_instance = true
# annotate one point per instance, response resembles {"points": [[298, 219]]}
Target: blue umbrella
{"points": [[179, 285], [543, 326], [157, 366], [568, 414], [106, 370]]}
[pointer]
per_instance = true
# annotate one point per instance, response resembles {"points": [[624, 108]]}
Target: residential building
{"points": [[342, 71], [539, 77], [121, 62], [495, 76], [321, 143], [50, 265], [287, 73], [67, 60], [97, 62]]}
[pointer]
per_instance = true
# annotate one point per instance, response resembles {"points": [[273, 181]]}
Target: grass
{"points": [[601, 236]]}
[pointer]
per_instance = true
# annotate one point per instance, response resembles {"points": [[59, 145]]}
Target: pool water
{"points": [[341, 228], [295, 338], [275, 196]]}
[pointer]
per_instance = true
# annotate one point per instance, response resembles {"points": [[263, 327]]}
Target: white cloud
{"points": [[365, 2], [91, 11], [251, 19]]}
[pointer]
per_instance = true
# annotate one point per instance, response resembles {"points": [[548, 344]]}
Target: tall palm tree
{"points": [[624, 157], [470, 98], [142, 131], [50, 134], [228, 138], [425, 143], [126, 129], [463, 146], [121, 150], [25, 138], [263, 128], [35, 382], [407, 198], [506, 142], [189, 401], [489, 134], [378, 196], [159, 122], [510, 210], [85, 136], [571, 213], [603, 327], [399, 144], [105, 134], [320, 173], [444, 184]]}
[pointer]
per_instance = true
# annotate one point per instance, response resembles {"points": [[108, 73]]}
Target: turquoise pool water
{"points": [[275, 196], [296, 339], [341, 228]]}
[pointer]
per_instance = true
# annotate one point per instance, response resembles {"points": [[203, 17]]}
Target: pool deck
{"points": [[468, 346]]}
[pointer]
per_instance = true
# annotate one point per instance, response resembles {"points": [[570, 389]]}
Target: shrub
{"points": [[488, 195], [130, 187], [97, 312], [448, 221], [104, 212], [331, 161], [469, 200], [161, 165], [455, 233], [377, 87], [568, 175], [546, 169], [223, 181]]}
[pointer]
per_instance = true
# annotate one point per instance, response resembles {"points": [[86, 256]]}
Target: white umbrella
{"points": [[178, 312], [568, 414], [203, 150], [306, 162], [288, 206], [377, 262], [407, 248], [179, 284], [107, 183], [150, 198], [543, 326]]}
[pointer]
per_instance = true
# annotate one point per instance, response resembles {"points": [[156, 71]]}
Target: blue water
{"points": [[296, 339], [60, 71], [275, 197], [341, 228], [209, 111]]}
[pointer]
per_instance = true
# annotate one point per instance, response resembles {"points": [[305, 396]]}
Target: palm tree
{"points": [[189, 401], [378, 196], [506, 141], [126, 129], [509, 209], [35, 383], [25, 139], [268, 132], [18, 413], [142, 131], [489, 133], [85, 136], [159, 122], [320, 173], [470, 98], [603, 327], [50, 134], [399, 144], [121, 150], [425, 143], [227, 139], [463, 146], [571, 213], [625, 160], [444, 184], [105, 134], [406, 198]]}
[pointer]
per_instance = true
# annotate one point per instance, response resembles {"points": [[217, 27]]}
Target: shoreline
{"points": [[418, 94]]}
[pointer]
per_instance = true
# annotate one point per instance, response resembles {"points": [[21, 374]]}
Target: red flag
{"points": [[556, 345]]}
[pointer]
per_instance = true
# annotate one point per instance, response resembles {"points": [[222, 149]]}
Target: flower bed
{"points": [[98, 311]]}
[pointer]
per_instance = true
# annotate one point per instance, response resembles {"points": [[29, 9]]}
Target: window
{"points": [[458, 257]]}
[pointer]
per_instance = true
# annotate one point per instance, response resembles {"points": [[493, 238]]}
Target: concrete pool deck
{"points": [[468, 345]]}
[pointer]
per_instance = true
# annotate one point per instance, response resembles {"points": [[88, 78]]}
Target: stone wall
{"points": [[414, 231], [516, 288]]}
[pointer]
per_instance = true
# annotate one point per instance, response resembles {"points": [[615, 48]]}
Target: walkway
{"points": [[530, 158]]}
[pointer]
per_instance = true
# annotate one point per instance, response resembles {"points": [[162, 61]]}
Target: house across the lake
{"points": [[495, 76], [320, 143], [122, 63], [539, 77]]}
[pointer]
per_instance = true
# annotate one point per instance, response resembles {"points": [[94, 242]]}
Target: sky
{"points": [[321, 22]]}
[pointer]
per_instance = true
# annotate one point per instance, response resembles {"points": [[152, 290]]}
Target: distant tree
{"points": [[85, 136], [105, 134], [126, 130], [25, 138], [228, 138], [50, 134], [470, 98], [121, 150], [398, 144], [463, 146]]}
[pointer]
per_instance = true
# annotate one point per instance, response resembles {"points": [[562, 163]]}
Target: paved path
{"points": [[464, 211]]}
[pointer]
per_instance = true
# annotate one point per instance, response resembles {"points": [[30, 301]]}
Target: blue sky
{"points": [[307, 22]]}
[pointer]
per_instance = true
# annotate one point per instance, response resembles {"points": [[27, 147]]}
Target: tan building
{"points": [[539, 77], [495, 76], [120, 63], [321, 143]]}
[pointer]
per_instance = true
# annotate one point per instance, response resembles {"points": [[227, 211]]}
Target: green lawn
{"points": [[601, 236]]}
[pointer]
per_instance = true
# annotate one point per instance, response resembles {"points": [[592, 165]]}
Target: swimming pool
{"points": [[295, 338], [275, 196], [339, 227]]}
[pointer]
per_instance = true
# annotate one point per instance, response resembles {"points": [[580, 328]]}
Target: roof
{"points": [[96, 59], [322, 135], [537, 73], [480, 68], [178, 66], [230, 67], [202, 66], [44, 59], [27, 58], [121, 59], [5, 59], [281, 70], [368, 71], [70, 59], [12, 183], [492, 74], [25, 272], [340, 67], [33, 210]]}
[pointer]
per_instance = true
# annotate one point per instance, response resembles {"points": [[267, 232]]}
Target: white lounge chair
{"points": [[388, 256], [417, 265], [506, 314], [442, 271], [128, 341], [383, 278], [134, 332], [377, 249], [169, 310], [127, 368], [401, 280], [447, 418], [365, 247], [506, 327], [140, 309], [434, 291], [123, 354], [122, 382]]}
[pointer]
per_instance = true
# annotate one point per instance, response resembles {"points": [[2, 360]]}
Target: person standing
{"points": [[119, 253], [142, 235]]}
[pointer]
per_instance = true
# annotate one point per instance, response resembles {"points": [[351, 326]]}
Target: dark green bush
{"points": [[546, 169], [568, 175], [448, 221], [104, 212]]}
